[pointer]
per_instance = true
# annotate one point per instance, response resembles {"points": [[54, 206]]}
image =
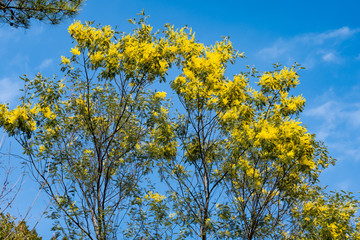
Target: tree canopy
{"points": [[12, 230], [19, 13], [234, 159]]}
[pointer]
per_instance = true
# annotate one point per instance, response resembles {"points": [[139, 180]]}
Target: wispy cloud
{"points": [[309, 48], [338, 35], [9, 89], [45, 64], [331, 57], [336, 120], [335, 116], [327, 114]]}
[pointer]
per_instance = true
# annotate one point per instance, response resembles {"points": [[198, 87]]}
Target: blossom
{"points": [[160, 95], [65, 60], [75, 51]]}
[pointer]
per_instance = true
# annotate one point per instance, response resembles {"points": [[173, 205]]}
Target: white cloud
{"points": [[337, 35], [274, 51], [331, 57], [45, 64], [337, 122], [332, 109], [343, 32], [279, 49], [310, 48], [9, 89], [335, 118], [327, 113]]}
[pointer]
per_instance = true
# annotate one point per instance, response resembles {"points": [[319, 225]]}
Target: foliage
{"points": [[12, 230], [19, 13], [327, 216], [85, 135], [235, 158]]}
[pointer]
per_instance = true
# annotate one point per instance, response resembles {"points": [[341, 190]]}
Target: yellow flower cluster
{"points": [[90, 37], [267, 132], [47, 113], [279, 80], [328, 217], [97, 58], [41, 148], [202, 78], [130, 53], [75, 51], [22, 117], [178, 169], [65, 60], [157, 198], [160, 95]]}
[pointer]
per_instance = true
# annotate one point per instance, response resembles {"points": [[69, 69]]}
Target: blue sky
{"points": [[324, 36]]}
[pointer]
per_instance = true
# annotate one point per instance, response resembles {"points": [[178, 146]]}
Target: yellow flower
{"points": [[96, 57], [75, 51], [155, 197], [65, 60], [11, 119], [32, 125], [75, 26], [17, 113], [163, 66], [41, 148], [161, 95], [48, 113]]}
